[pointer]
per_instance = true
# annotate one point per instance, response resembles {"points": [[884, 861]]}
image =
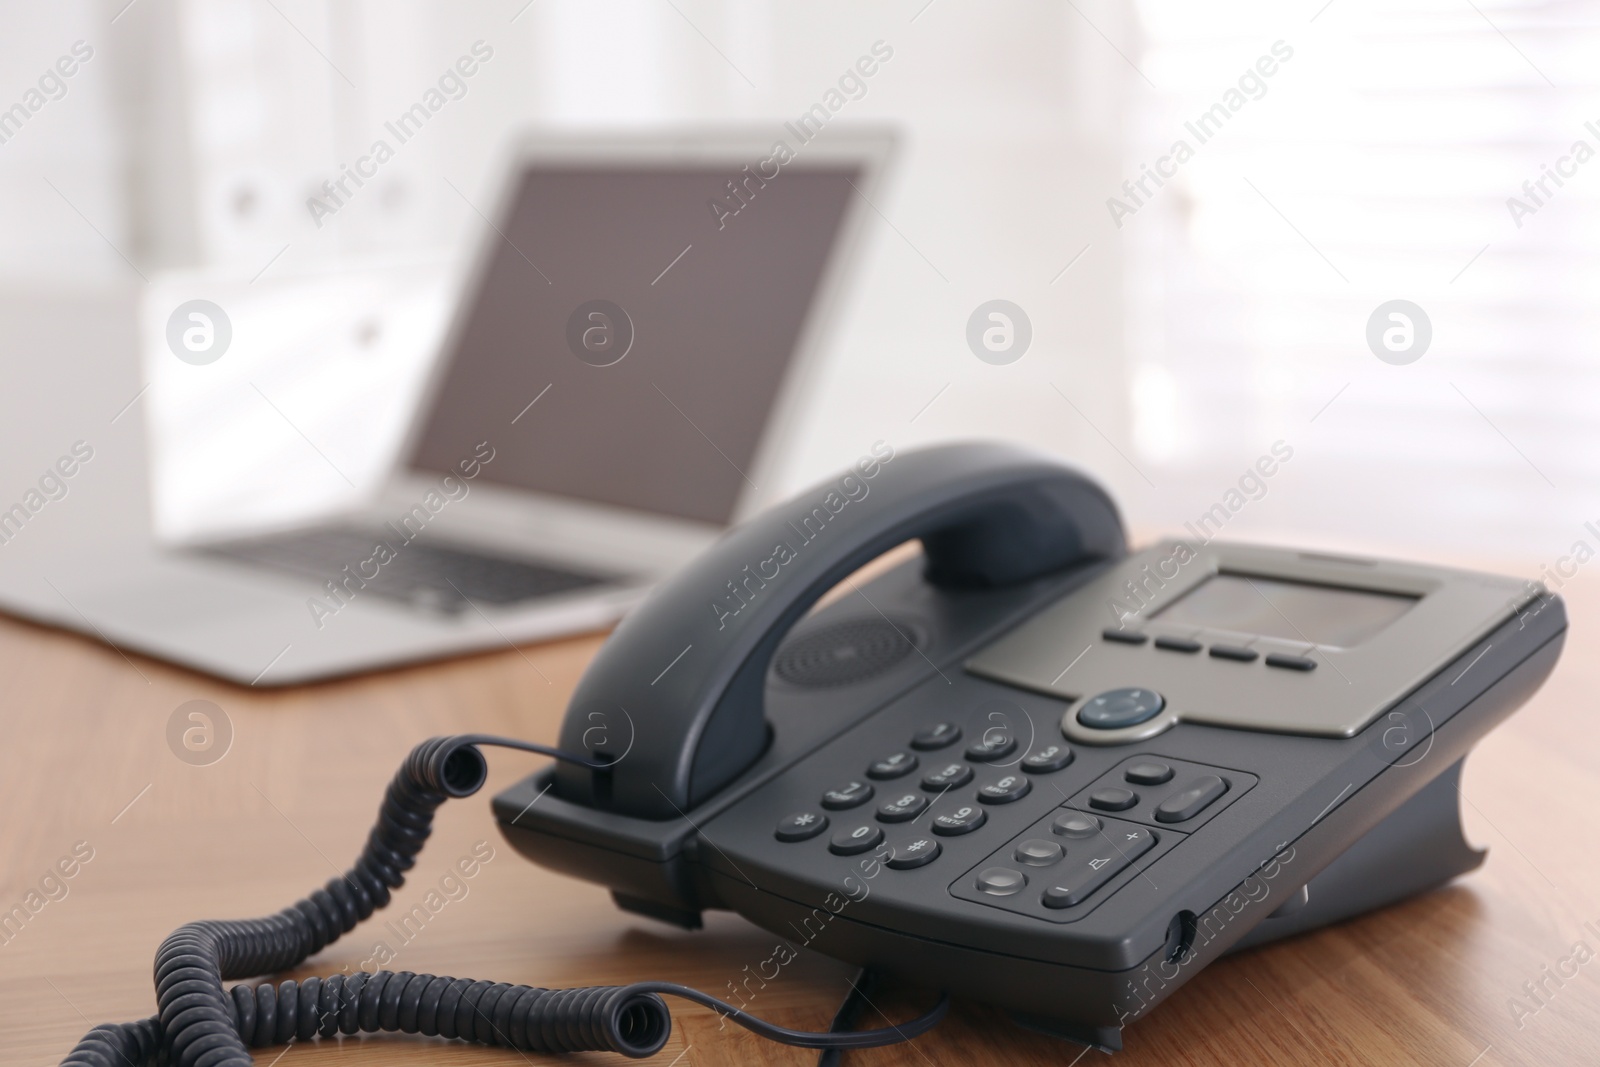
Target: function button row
{"points": [[903, 808], [1237, 653], [892, 766], [852, 795], [1091, 868], [936, 736], [950, 776]]}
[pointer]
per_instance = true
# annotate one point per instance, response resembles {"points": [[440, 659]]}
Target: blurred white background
{"points": [[1226, 313]]}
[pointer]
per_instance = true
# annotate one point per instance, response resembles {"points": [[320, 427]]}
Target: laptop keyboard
{"points": [[436, 577]]}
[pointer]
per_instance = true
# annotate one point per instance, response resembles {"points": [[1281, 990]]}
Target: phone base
{"points": [[686, 918], [1420, 846], [1107, 1039]]}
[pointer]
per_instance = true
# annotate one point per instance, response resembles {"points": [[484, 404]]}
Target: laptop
{"points": [[624, 365]]}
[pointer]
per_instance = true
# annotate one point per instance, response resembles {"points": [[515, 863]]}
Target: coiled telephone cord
{"points": [[200, 1024]]}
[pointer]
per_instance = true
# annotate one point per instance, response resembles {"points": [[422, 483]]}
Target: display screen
{"points": [[1291, 611], [651, 326]]}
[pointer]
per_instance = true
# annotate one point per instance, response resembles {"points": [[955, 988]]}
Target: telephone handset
{"points": [[687, 669], [1027, 768]]}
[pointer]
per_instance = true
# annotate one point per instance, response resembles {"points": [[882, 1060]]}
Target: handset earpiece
{"points": [[681, 679]]}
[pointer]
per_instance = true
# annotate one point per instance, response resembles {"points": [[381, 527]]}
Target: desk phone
{"points": [[1026, 768]]}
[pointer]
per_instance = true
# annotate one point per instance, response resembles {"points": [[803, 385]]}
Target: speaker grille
{"points": [[845, 652]]}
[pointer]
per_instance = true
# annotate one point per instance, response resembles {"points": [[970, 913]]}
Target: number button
{"points": [[903, 808], [801, 826], [1005, 790], [911, 853], [950, 776], [855, 839], [892, 766], [995, 745], [849, 796], [1047, 759], [962, 820], [939, 735]]}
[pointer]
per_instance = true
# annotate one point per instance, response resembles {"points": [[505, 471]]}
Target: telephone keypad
{"points": [[911, 852], [801, 826], [957, 821], [1005, 790], [892, 766], [1047, 760], [852, 795], [948, 776], [855, 839], [903, 808], [935, 736]]}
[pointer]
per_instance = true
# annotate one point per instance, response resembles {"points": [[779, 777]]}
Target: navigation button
{"points": [[1117, 708], [892, 766], [1001, 881], [912, 852], [801, 826], [855, 839], [1192, 800], [848, 796], [1092, 867], [938, 735], [903, 808]]}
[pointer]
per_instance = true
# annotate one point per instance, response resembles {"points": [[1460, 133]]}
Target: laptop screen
{"points": [[628, 339]]}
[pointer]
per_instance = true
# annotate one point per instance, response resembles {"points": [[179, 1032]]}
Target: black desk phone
{"points": [[1026, 768]]}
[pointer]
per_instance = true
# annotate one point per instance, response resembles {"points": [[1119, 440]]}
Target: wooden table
{"points": [[86, 759]]}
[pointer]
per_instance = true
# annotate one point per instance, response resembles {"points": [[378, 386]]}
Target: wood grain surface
{"points": [[1484, 972]]}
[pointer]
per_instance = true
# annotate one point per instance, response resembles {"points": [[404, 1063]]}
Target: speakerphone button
{"points": [[1192, 799], [912, 852], [848, 796], [1234, 652], [903, 808], [1090, 868], [1291, 663], [1148, 773], [1047, 759], [892, 766], [949, 776], [1117, 708], [957, 821], [1001, 881], [935, 736], [1177, 644], [801, 826], [855, 839], [1113, 798]]}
